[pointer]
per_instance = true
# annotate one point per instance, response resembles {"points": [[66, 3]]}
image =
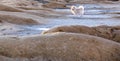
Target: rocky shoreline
{"points": [[60, 43]]}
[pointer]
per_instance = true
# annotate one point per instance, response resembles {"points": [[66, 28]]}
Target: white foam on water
{"points": [[42, 28]]}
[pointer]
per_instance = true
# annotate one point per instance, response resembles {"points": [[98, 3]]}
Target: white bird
{"points": [[77, 10]]}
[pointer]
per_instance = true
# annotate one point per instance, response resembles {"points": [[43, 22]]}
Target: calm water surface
{"points": [[95, 15]]}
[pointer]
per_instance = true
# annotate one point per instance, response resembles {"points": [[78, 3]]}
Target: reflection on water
{"points": [[95, 15]]}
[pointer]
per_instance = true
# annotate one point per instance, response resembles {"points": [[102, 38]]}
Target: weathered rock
{"points": [[104, 31], [73, 29], [19, 2], [116, 35], [59, 47], [54, 5], [7, 8], [85, 1], [17, 20], [107, 32]]}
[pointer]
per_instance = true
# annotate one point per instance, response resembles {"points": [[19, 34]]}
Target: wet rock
{"points": [[54, 5], [17, 20], [42, 1], [16, 3], [9, 29], [59, 47]]}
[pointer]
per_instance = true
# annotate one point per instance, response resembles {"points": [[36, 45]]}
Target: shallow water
{"points": [[95, 15]]}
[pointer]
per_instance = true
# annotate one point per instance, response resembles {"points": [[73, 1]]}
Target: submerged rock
{"points": [[59, 47]]}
